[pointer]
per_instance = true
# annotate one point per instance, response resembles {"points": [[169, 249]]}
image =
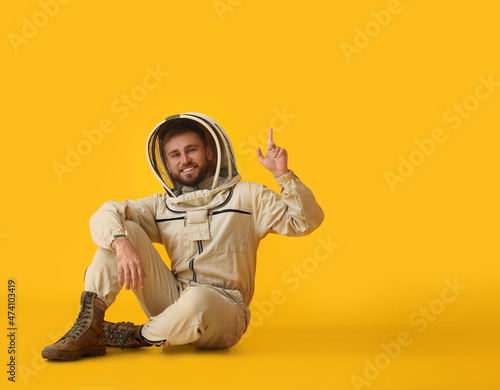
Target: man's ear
{"points": [[210, 153]]}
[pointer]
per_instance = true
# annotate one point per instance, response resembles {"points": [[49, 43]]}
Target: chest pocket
{"points": [[230, 230], [196, 225]]}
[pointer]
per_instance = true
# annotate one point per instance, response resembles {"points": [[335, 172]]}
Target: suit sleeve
{"points": [[294, 212], [108, 222]]}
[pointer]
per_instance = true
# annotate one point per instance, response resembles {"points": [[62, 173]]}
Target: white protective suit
{"points": [[211, 236]]}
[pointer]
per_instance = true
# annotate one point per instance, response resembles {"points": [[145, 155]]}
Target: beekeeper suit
{"points": [[211, 231]]}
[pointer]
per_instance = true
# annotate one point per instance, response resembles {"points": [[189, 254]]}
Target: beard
{"points": [[191, 179]]}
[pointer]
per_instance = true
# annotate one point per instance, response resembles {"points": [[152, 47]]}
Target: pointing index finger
{"points": [[270, 137]]}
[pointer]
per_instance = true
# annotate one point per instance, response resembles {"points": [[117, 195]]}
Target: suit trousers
{"points": [[179, 311]]}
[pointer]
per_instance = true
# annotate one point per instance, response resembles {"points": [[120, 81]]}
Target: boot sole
{"points": [[52, 354]]}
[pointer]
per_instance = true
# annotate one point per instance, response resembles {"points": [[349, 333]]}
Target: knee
{"points": [[182, 322], [136, 235], [200, 316], [133, 230]]}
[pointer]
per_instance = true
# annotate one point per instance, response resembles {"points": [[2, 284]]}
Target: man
{"points": [[210, 223]]}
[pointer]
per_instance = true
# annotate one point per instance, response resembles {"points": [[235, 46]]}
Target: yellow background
{"points": [[352, 120]]}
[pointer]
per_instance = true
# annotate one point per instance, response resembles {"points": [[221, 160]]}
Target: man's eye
{"points": [[175, 155], [192, 150]]}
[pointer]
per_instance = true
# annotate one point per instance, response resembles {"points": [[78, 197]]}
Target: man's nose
{"points": [[185, 158]]}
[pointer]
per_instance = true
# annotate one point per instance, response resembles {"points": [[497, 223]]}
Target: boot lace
{"points": [[118, 335], [81, 321]]}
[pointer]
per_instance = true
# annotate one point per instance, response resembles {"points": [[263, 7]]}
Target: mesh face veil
{"points": [[223, 168]]}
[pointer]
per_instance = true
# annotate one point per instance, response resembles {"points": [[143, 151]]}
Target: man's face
{"points": [[188, 158]]}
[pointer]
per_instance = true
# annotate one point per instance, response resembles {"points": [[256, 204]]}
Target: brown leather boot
{"points": [[123, 334], [86, 336]]}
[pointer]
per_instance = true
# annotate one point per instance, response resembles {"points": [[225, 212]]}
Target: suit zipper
{"points": [[191, 267], [191, 262]]}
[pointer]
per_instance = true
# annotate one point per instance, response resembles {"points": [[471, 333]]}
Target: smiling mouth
{"points": [[187, 170]]}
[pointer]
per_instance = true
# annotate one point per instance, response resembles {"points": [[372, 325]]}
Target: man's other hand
{"points": [[129, 264], [276, 159]]}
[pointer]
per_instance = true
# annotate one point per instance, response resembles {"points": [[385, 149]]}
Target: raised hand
{"points": [[276, 159]]}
